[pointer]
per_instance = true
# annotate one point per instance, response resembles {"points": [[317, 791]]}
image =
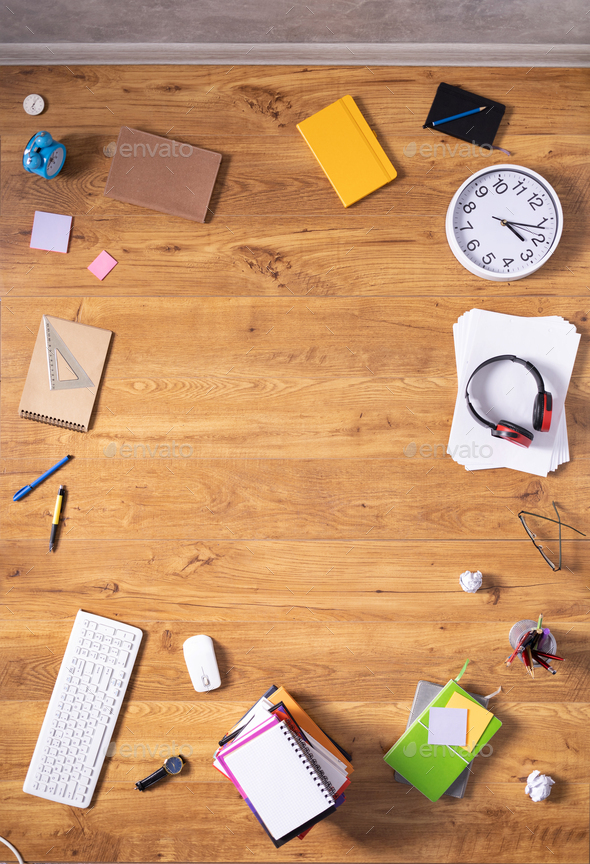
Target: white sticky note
{"points": [[51, 231], [447, 726]]}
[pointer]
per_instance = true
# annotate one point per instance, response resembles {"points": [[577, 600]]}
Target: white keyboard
{"points": [[83, 710]]}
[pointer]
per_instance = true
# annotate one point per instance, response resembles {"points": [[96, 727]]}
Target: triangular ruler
{"points": [[55, 343]]}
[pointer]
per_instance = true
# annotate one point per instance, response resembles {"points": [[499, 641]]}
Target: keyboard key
{"points": [[127, 646], [112, 661], [71, 789], [61, 788], [105, 630], [51, 788], [107, 640], [117, 642], [93, 655], [79, 799], [123, 657], [91, 625], [95, 746]]}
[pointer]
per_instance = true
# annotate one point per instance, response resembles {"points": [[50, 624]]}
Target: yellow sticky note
{"points": [[478, 718]]}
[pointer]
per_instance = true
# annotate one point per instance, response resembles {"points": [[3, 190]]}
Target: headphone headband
{"points": [[528, 366]]}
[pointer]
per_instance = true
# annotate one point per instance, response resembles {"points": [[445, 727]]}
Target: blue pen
{"points": [[26, 489], [457, 116]]}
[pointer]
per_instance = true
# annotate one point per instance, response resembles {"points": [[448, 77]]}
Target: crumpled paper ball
{"points": [[538, 786], [470, 581]]}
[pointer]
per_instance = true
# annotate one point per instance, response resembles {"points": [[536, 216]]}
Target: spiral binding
{"points": [[53, 421], [300, 745]]}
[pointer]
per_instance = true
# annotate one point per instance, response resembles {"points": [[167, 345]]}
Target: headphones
{"points": [[541, 409]]}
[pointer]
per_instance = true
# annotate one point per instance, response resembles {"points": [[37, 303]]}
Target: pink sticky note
{"points": [[102, 265]]}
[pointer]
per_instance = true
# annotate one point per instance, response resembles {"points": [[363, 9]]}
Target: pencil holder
{"points": [[547, 642]]}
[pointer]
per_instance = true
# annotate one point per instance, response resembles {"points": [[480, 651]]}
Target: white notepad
{"points": [[271, 771]]}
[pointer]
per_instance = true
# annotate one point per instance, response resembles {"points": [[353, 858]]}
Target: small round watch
{"points": [[172, 765]]}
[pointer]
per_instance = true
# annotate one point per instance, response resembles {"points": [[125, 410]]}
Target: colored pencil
{"points": [[458, 116]]}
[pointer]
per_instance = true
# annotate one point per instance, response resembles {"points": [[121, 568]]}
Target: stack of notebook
{"points": [[505, 390], [443, 740], [290, 773]]}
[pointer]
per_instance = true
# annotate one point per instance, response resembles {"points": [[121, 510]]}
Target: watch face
{"points": [[34, 104], [506, 221], [173, 765], [54, 162]]}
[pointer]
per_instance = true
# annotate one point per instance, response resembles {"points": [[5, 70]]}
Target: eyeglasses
{"points": [[533, 537]]}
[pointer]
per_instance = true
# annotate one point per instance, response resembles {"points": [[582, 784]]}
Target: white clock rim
{"points": [[475, 269]]}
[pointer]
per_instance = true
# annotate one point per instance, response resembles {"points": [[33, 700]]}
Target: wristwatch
{"points": [[172, 765]]}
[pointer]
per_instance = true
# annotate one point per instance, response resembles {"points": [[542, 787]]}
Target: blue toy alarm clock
{"points": [[44, 156]]}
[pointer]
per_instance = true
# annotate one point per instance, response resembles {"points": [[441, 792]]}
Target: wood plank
{"points": [[388, 826], [286, 180], [394, 337], [324, 256], [263, 581], [382, 660], [285, 499], [250, 417], [152, 730], [272, 100]]}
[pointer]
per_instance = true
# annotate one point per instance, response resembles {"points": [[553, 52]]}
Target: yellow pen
{"points": [[56, 512]]}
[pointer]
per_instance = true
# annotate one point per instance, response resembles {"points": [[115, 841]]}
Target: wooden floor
{"points": [[297, 349]]}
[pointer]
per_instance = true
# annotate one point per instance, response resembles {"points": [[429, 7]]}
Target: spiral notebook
{"points": [[278, 777], [64, 373]]}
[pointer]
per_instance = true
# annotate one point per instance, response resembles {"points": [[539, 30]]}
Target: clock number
{"points": [[469, 225], [542, 222], [498, 187], [526, 256], [481, 192], [535, 201], [487, 259], [508, 262], [472, 245], [520, 183], [467, 208], [538, 240]]}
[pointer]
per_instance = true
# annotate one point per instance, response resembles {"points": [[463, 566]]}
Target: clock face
{"points": [[34, 104], [54, 162], [173, 765], [504, 222]]}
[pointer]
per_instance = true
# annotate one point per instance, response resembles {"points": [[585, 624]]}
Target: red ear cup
{"points": [[511, 432], [542, 412]]}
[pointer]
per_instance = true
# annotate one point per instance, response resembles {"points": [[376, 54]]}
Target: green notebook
{"points": [[432, 768]]}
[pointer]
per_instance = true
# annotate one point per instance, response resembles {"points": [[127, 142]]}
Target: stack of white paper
{"points": [[506, 391]]}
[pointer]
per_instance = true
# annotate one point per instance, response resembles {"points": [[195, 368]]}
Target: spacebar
{"points": [[90, 757]]}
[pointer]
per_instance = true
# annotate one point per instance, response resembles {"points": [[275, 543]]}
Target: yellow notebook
{"points": [[348, 151]]}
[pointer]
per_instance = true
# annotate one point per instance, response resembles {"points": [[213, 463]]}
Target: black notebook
{"points": [[480, 128]]}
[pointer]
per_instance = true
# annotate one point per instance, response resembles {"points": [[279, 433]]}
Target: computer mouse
{"points": [[199, 655]]}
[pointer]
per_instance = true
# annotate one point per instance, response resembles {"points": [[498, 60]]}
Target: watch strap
{"points": [[153, 778]]}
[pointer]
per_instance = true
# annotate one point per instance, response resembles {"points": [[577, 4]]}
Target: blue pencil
{"points": [[457, 116]]}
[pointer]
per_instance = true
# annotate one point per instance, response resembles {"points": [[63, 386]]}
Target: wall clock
{"points": [[34, 104], [504, 222]]}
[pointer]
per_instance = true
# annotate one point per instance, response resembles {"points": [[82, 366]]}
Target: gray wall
{"points": [[559, 22]]}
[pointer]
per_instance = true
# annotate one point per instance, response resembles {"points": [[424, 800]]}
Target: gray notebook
{"points": [[426, 691]]}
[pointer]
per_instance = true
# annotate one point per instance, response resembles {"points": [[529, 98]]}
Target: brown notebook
{"points": [[162, 174], [64, 374]]}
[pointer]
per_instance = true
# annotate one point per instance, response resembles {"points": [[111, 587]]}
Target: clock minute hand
{"points": [[512, 222], [509, 225]]}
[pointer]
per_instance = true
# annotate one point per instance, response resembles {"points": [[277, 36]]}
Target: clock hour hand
{"points": [[509, 225]]}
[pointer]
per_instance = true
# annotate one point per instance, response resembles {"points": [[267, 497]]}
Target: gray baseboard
{"points": [[295, 54]]}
